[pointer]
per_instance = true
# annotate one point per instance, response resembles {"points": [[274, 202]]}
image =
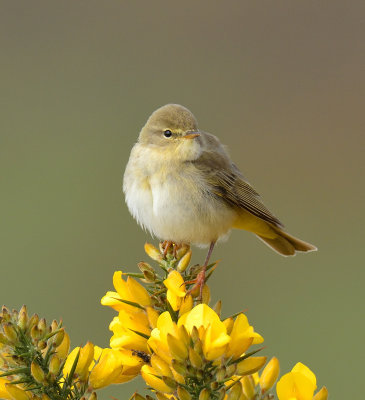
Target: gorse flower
{"points": [[197, 353], [177, 295], [128, 294], [299, 384], [163, 331]]}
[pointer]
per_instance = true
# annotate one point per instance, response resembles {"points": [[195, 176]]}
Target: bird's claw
{"points": [[199, 282]]}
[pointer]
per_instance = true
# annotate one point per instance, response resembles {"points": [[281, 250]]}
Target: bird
{"points": [[181, 185]]}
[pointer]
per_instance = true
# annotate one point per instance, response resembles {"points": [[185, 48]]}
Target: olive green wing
{"points": [[227, 182]]}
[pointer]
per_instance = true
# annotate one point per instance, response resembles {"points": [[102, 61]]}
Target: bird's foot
{"points": [[199, 283], [165, 245]]}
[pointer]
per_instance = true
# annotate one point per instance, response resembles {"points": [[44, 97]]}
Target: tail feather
{"points": [[286, 244], [272, 235]]}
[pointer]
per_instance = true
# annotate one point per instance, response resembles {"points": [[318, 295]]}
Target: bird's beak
{"points": [[191, 135]]}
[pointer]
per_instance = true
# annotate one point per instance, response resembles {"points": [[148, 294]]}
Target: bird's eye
{"points": [[167, 133]]}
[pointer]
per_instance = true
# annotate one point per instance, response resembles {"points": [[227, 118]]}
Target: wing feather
{"points": [[227, 183]]}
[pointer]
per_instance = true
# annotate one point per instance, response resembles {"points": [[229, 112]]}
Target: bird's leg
{"points": [[175, 249], [200, 279]]}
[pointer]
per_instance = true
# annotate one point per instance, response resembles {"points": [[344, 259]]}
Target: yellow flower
{"points": [[129, 290], [124, 328], [9, 391], [152, 252], [176, 292], [248, 387], [250, 365], [85, 359], [269, 375], [133, 325], [114, 366], [63, 349], [156, 382], [212, 331], [158, 339], [4, 394], [299, 384], [242, 336], [167, 341]]}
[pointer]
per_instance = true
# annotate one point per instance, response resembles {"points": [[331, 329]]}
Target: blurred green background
{"points": [[280, 82]]}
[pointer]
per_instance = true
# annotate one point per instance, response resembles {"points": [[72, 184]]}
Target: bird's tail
{"points": [[286, 244], [272, 235]]}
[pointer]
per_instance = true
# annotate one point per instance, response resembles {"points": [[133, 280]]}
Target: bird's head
{"points": [[174, 130]]}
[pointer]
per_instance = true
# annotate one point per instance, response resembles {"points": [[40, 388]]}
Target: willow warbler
{"points": [[181, 185]]}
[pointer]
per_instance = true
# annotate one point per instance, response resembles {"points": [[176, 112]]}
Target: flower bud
{"points": [[183, 394], [58, 337], [177, 348], [184, 335], [10, 332], [204, 394], [54, 364], [23, 318], [153, 252], [42, 327], [35, 333], [322, 394], [269, 375], [63, 349], [235, 392], [248, 386], [143, 266], [221, 374], [181, 251], [184, 261], [231, 370], [54, 325], [195, 359], [148, 272], [250, 365], [195, 334], [149, 277], [5, 314], [37, 372], [33, 321], [160, 366], [179, 367]]}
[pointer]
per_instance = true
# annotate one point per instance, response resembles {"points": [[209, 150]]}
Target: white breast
{"points": [[173, 202]]}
